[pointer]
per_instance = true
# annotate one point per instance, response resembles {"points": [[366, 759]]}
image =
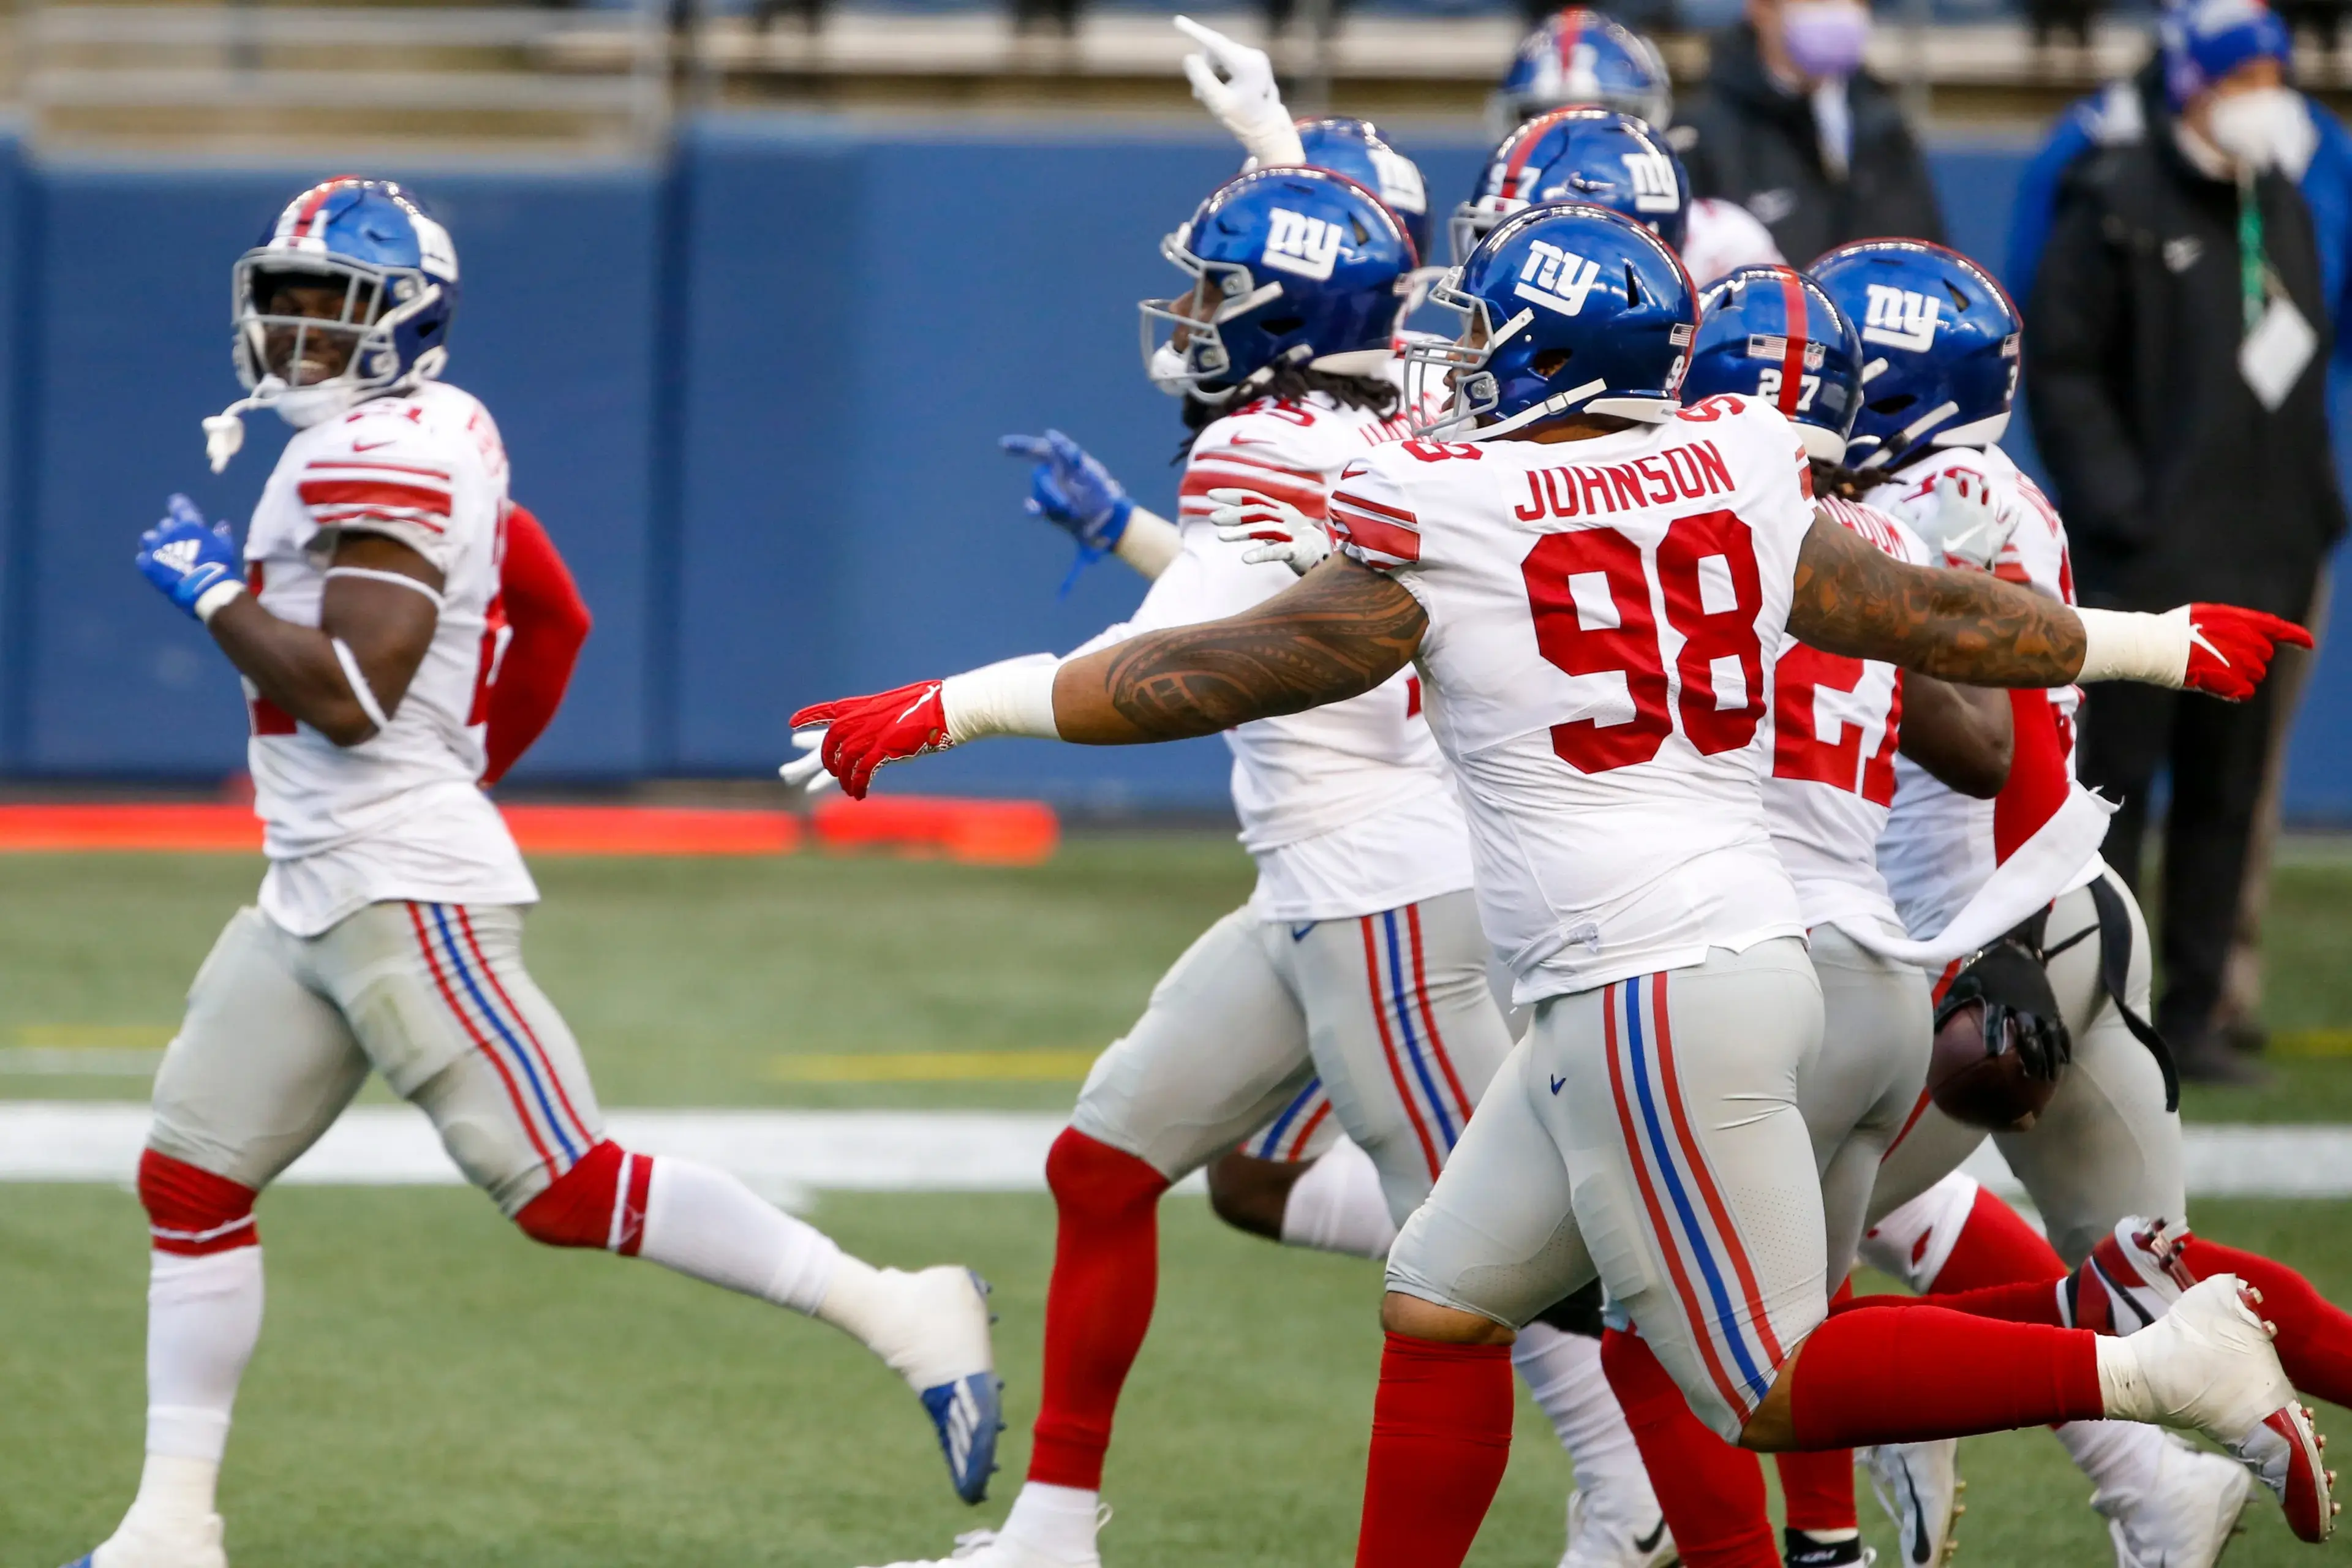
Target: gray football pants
{"points": [[1390, 1011], [2106, 1147], [1877, 1025], [1649, 1132], [281, 1031]]}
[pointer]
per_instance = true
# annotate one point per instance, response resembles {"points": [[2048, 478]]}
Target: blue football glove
{"points": [[1071, 490], [187, 560]]}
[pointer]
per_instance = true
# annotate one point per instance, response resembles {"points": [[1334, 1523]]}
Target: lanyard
{"points": [[2250, 266]]}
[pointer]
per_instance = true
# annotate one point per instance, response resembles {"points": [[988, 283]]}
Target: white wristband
{"points": [[2128, 645], [1148, 543], [1272, 143], [209, 602], [1014, 698]]}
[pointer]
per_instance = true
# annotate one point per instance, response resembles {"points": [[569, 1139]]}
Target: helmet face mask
{"points": [[348, 295], [1291, 266]]}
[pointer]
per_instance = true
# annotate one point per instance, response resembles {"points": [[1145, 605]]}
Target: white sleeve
{"points": [[384, 474]]}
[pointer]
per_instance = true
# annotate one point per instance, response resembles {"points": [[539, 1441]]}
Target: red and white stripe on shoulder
{"points": [[1375, 532], [1223, 469], [344, 490]]}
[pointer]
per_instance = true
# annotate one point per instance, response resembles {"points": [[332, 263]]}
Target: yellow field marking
{"points": [[935, 1066], [2313, 1043], [95, 1037]]}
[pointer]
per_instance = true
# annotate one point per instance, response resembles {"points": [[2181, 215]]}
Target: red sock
{"points": [[1817, 1487], [1441, 1436], [1906, 1376], [2315, 1337], [1099, 1305], [1996, 1247], [1711, 1492]]}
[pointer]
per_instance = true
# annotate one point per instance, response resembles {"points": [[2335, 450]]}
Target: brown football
{"points": [[1980, 1090]]}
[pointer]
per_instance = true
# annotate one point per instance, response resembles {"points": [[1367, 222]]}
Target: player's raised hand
{"points": [[2221, 650], [1279, 530], [1963, 521], [2231, 649], [1071, 489], [861, 734], [1235, 83], [193, 564]]}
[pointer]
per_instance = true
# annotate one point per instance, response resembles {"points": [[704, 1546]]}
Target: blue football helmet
{"points": [[1597, 156], [1774, 334], [398, 274], [1574, 309], [1290, 267], [1583, 56], [1357, 149], [1939, 345]]}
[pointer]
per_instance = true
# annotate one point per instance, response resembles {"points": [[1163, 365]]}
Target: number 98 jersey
{"points": [[1597, 664]]}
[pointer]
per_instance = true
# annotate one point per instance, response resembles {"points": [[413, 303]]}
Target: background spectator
{"points": [[2177, 335], [1788, 125]]}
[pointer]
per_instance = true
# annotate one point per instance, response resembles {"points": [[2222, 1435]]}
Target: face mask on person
{"points": [[1824, 37], [2265, 128]]}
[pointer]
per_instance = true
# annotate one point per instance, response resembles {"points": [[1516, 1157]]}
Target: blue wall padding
{"points": [[755, 394]]}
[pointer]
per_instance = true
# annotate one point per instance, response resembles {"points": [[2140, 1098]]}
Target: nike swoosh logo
{"points": [[371, 446], [1644, 1544], [1556, 1085], [1920, 1550], [1298, 933]]}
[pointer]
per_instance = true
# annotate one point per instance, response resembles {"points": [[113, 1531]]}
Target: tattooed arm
{"points": [[1967, 626], [1336, 633]]}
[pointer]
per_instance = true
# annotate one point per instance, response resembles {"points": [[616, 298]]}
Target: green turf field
{"points": [[433, 1390]]}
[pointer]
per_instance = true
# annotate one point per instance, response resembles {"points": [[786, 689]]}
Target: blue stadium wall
{"points": [[755, 394]]}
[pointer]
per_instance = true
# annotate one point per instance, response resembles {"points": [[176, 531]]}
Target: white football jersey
{"points": [[1721, 236], [1836, 722], [1348, 809], [1940, 846], [400, 814], [1601, 617]]}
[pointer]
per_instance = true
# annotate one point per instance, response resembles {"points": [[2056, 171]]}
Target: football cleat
{"points": [[2132, 1278], [1919, 1486], [2207, 1365], [995, 1549], [2184, 1517], [142, 1544], [951, 1366], [1800, 1550], [1596, 1541]]}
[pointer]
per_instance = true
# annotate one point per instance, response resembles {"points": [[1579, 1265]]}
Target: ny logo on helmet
{"points": [[1309, 246], [1651, 177], [1900, 318], [1556, 279]]}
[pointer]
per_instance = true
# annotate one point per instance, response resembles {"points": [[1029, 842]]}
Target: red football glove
{"points": [[863, 732], [2230, 649]]}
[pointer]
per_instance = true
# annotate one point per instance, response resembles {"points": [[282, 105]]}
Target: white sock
{"points": [[1055, 1521], [1339, 1206], [1562, 1372], [203, 1316], [704, 1223], [2122, 1457], [1916, 1241]]}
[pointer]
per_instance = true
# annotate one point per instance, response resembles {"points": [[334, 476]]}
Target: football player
{"points": [[1589, 585], [1942, 337], [1358, 970], [366, 617]]}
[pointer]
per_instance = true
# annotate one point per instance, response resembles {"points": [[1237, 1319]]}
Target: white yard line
{"points": [[785, 1153]]}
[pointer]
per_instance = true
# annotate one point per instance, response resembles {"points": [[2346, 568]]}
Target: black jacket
{"points": [[1748, 140], [2176, 483]]}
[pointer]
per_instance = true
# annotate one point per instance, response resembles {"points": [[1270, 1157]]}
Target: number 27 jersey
{"points": [[1596, 666]]}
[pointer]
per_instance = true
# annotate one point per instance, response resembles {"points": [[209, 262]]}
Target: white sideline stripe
{"points": [[927, 1150]]}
